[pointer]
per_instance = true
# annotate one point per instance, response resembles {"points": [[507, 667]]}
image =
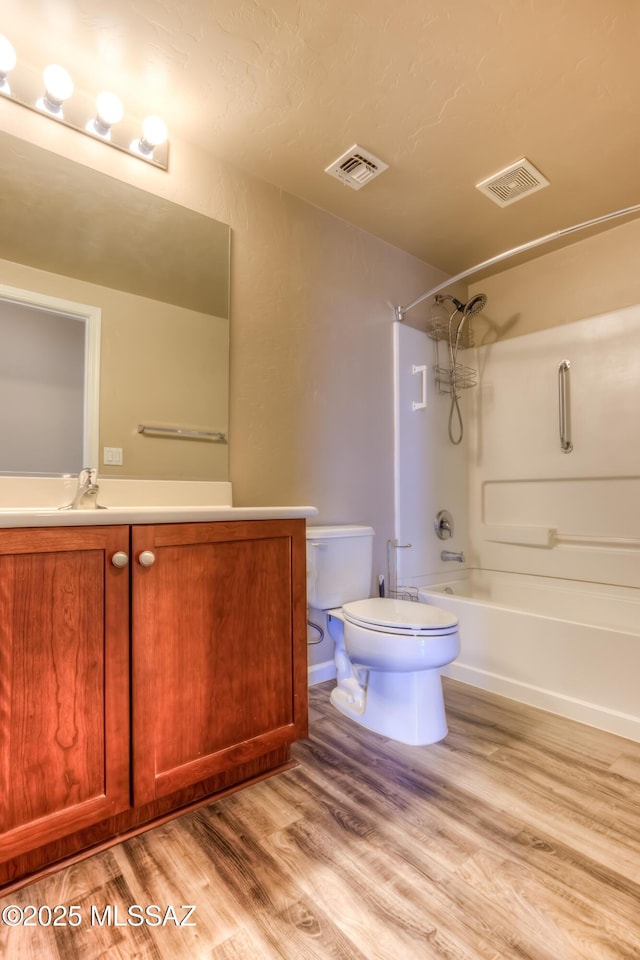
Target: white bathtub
{"points": [[566, 646]]}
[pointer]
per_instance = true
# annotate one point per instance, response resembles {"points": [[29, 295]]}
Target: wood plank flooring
{"points": [[516, 838]]}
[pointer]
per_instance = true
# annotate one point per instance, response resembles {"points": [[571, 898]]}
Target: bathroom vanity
{"points": [[145, 667]]}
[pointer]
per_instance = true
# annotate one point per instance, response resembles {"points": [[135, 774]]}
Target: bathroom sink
{"points": [[35, 501]]}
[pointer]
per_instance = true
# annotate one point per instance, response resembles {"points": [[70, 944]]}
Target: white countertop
{"points": [[36, 502], [48, 517]]}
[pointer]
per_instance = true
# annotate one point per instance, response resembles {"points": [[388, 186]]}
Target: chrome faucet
{"points": [[86, 495], [451, 555]]}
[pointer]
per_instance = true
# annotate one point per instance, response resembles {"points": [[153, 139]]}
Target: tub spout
{"points": [[451, 555]]}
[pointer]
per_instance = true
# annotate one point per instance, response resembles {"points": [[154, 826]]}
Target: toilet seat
{"points": [[402, 617]]}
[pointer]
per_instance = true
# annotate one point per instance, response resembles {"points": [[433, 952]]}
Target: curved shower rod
{"points": [[499, 257]]}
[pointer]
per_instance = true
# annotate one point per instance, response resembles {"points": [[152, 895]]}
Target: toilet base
{"points": [[407, 707]]}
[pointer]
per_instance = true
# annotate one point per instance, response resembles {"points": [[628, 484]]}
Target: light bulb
{"points": [[7, 57], [154, 132], [58, 87], [109, 110]]}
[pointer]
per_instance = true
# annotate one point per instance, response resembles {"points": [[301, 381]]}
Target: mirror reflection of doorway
{"points": [[48, 384]]}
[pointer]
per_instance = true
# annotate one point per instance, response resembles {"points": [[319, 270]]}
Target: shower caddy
{"points": [[454, 375]]}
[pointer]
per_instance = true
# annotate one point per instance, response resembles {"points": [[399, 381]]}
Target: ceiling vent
{"points": [[356, 167], [513, 183]]}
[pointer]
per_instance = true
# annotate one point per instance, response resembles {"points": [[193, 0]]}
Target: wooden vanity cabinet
{"points": [[129, 693], [64, 682], [218, 677]]}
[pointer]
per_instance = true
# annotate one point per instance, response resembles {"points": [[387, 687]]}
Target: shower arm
{"points": [[499, 257]]}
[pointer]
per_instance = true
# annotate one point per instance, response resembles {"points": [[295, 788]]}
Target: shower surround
{"points": [[556, 525]]}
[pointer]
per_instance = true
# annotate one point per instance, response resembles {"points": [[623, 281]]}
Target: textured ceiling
{"points": [[446, 92]]}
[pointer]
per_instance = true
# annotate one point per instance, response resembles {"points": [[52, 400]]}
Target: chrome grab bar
{"points": [[563, 406]]}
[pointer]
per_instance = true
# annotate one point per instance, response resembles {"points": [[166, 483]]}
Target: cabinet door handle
{"points": [[120, 559], [147, 558]]}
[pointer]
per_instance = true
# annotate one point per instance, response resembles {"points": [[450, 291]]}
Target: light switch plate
{"points": [[112, 457]]}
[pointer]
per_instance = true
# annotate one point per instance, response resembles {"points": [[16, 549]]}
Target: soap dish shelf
{"points": [[465, 377]]}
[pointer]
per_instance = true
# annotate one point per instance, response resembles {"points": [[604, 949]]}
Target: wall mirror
{"points": [[158, 273]]}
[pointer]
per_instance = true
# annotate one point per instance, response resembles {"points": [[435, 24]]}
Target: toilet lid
{"points": [[382, 613]]}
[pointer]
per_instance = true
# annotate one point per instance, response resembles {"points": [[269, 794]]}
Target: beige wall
{"points": [[312, 358], [592, 276]]}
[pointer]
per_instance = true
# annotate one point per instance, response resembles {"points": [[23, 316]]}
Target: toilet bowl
{"points": [[388, 653]]}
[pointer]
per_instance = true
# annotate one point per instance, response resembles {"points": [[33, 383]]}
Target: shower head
{"points": [[459, 306], [475, 305], [470, 309]]}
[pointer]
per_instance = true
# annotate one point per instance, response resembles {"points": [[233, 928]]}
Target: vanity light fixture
{"points": [[103, 118]]}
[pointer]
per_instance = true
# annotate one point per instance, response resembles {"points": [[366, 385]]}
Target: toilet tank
{"points": [[339, 565]]}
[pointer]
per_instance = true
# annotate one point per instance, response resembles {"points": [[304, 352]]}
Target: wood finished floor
{"points": [[516, 837]]}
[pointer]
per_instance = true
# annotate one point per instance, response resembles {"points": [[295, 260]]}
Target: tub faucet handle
{"points": [[443, 525]]}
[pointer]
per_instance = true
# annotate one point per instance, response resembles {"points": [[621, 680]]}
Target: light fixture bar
{"points": [[101, 118]]}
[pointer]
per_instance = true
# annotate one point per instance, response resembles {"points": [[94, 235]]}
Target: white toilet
{"points": [[388, 652]]}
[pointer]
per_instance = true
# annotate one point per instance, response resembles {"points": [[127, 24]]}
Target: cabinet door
{"points": [[64, 706], [219, 648]]}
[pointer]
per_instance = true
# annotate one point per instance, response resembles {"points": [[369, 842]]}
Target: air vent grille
{"points": [[356, 167], [513, 183]]}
